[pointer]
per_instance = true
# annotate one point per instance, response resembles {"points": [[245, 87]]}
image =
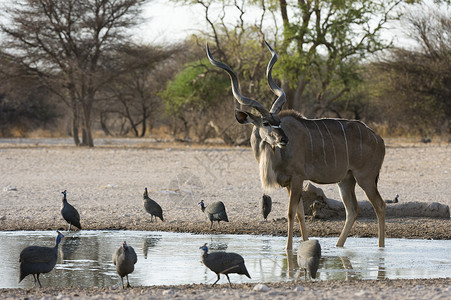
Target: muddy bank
{"points": [[418, 228], [430, 289]]}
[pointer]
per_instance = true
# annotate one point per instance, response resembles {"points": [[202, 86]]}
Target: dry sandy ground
{"points": [[106, 183]]}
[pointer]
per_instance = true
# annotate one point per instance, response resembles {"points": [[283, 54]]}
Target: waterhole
{"points": [[165, 258]]}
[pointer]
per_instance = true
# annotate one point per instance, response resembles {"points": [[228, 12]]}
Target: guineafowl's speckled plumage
{"points": [[224, 263], [69, 213], [36, 260], [215, 212], [124, 258], [266, 205], [309, 254], [152, 207]]}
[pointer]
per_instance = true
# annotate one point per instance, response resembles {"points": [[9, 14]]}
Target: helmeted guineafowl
{"points": [[266, 205], [152, 207], [215, 212], [395, 200], [124, 258], [36, 260], [69, 213], [224, 263], [309, 254]]}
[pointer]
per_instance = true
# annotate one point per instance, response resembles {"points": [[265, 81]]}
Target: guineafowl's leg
{"points": [[40, 285], [34, 282], [216, 280], [227, 275], [211, 224], [122, 282], [128, 283], [70, 226]]}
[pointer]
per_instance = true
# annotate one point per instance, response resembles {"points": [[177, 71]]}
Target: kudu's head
{"points": [[268, 123]]}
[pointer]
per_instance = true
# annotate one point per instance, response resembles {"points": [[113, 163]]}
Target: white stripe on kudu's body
{"points": [[333, 144], [291, 149], [324, 144]]}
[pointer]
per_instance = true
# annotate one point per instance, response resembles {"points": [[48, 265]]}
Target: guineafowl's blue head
{"points": [[204, 248], [202, 205], [64, 193], [124, 245], [59, 237]]}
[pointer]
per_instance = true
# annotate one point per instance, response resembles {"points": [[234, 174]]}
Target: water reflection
{"points": [[217, 246], [381, 269], [174, 258], [149, 242], [68, 248], [292, 263]]}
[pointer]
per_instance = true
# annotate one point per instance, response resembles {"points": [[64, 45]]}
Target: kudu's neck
{"points": [[268, 159]]}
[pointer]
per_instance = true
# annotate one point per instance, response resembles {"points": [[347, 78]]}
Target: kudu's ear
{"points": [[244, 117]]}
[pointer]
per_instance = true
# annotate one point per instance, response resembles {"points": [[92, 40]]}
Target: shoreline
{"points": [[410, 228], [431, 289]]}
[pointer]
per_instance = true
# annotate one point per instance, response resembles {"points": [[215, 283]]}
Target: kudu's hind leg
{"points": [[370, 189], [347, 194], [300, 214], [294, 191]]}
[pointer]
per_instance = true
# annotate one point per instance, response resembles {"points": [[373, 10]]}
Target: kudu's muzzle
{"points": [[280, 137]]}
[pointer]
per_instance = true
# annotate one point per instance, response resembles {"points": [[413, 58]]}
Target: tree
{"points": [[321, 44], [24, 102], [134, 94], [191, 94], [65, 43], [241, 46], [324, 42], [416, 82]]}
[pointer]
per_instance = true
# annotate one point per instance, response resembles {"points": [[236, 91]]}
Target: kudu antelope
{"points": [[290, 149]]}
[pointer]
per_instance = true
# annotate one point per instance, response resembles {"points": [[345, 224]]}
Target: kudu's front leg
{"points": [[301, 219], [295, 206]]}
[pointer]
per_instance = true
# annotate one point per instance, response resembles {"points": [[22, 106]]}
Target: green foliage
{"points": [[192, 89], [414, 84], [325, 41]]}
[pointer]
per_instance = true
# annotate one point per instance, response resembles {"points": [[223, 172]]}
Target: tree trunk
{"points": [[290, 95], [133, 125], [75, 133], [84, 139], [89, 141], [222, 133], [144, 124], [87, 132], [75, 122], [185, 128], [103, 124]]}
